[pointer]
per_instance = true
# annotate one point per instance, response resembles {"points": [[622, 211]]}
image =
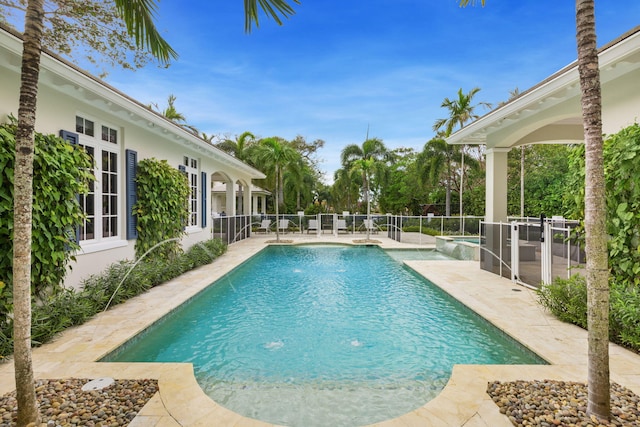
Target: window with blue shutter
{"points": [[131, 159], [203, 198]]}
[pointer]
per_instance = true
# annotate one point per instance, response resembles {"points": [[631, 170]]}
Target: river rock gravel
{"points": [[63, 403], [560, 403]]}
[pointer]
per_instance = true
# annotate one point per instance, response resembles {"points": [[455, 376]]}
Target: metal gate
{"points": [[532, 252]]}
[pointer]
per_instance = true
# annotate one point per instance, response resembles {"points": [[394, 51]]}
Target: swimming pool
{"points": [[323, 335]]}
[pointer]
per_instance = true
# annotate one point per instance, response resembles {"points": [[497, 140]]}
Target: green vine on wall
{"points": [[622, 162], [61, 171], [161, 209]]}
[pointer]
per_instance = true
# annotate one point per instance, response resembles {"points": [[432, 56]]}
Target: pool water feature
{"points": [[323, 335], [459, 247], [417, 255]]}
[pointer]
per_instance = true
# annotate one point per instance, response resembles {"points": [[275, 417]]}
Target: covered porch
{"points": [[548, 113]]}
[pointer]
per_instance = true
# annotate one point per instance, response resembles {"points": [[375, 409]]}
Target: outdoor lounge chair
{"points": [[341, 225], [265, 225], [283, 225], [313, 226]]}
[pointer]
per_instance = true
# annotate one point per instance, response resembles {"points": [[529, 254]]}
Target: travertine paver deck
{"points": [[463, 402]]}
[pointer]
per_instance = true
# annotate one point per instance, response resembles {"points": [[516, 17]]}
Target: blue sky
{"points": [[339, 67]]}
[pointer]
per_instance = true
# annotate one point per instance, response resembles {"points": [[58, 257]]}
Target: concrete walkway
{"points": [[463, 402]]}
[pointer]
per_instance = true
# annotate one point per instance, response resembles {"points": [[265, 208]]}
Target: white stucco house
{"points": [[550, 113], [119, 131]]}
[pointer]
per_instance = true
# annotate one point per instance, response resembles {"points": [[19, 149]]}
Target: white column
{"points": [[246, 200], [231, 199], [496, 186]]}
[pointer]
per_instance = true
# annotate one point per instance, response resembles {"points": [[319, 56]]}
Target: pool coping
{"points": [[463, 401]]}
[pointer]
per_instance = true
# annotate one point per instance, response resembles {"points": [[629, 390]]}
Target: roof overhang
{"points": [[550, 112], [62, 75]]}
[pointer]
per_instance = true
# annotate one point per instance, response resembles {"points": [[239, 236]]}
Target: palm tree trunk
{"points": [[522, 182], [23, 217], [461, 186], [277, 203], [281, 188], [447, 200], [596, 239], [240, 209], [365, 184]]}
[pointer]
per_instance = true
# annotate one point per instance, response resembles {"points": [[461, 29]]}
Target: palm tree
{"points": [[345, 187], [461, 111], [240, 148], [365, 166], [301, 179], [599, 399], [174, 115], [206, 137], [435, 162], [370, 160], [599, 391], [138, 18], [171, 112], [275, 154]]}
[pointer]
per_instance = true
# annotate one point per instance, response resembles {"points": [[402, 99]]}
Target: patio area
{"points": [[464, 401]]}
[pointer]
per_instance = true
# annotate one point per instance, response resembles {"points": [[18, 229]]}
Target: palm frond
{"points": [[138, 16], [272, 8]]}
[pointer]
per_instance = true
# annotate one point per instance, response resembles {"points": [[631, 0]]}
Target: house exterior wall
{"points": [[66, 93], [621, 103]]}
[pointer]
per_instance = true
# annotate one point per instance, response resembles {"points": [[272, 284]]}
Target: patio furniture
{"points": [[313, 225], [283, 225], [341, 225], [264, 227]]}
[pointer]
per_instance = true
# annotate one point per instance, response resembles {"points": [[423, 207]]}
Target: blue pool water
{"points": [[475, 240], [323, 336]]}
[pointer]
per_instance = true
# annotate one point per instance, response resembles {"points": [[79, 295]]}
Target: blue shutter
{"points": [[69, 136], [72, 138], [131, 165], [182, 168], [203, 178]]}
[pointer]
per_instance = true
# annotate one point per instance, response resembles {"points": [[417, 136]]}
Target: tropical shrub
{"points": [[424, 230], [621, 161], [161, 208], [567, 300], [625, 315]]}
